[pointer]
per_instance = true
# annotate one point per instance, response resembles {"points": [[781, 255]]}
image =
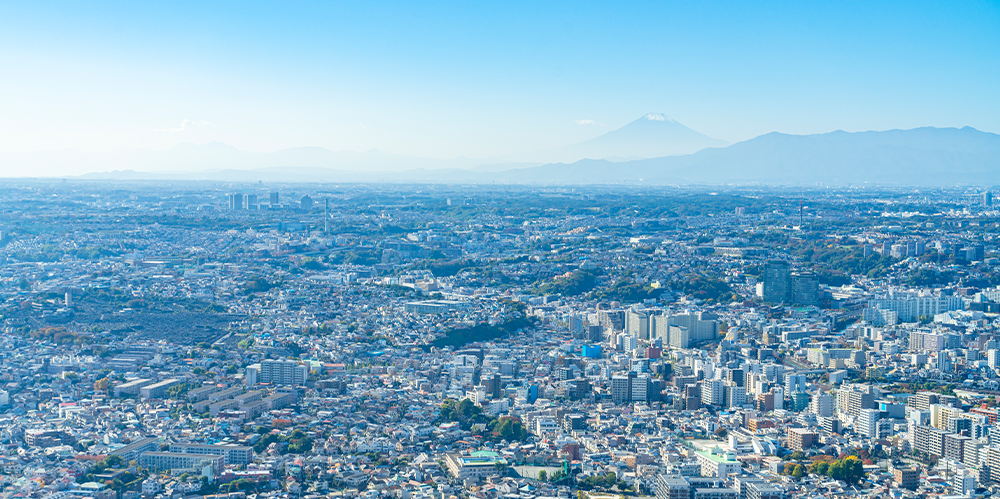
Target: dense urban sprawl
{"points": [[198, 339]]}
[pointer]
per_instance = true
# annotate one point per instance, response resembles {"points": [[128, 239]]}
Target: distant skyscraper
{"points": [[805, 288], [274, 198], [978, 253], [777, 277], [236, 201], [250, 202], [987, 199], [306, 203]]}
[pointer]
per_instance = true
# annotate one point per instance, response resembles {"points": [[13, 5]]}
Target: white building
{"points": [[712, 392], [718, 465], [822, 405], [868, 423], [150, 487], [277, 372]]}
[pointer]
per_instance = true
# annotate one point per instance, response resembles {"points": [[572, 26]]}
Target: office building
{"points": [[804, 289], [777, 281], [236, 201], [306, 203]]}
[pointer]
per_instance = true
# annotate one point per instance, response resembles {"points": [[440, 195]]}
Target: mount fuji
{"points": [[654, 135]]}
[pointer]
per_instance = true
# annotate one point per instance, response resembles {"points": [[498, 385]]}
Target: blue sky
{"points": [[483, 79]]}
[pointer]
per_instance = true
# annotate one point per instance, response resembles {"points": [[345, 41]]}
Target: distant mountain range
{"points": [[921, 156], [665, 152], [187, 158], [651, 136]]}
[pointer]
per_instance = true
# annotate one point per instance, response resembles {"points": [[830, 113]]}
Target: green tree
{"points": [[509, 429], [819, 467], [799, 471], [849, 469], [543, 476]]}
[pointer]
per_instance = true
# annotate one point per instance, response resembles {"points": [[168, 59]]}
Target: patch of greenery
{"points": [[929, 278], [298, 442], [704, 288], [838, 258], [367, 256], [601, 482], [507, 428], [259, 285], [576, 283], [59, 335], [110, 462], [848, 469], [463, 412], [482, 332], [468, 415], [311, 263], [627, 292]]}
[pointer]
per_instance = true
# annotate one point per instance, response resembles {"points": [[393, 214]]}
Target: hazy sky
{"points": [[483, 79]]}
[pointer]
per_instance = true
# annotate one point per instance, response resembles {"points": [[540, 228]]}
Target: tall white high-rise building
{"points": [[822, 405], [736, 396], [712, 392], [868, 423], [795, 383]]}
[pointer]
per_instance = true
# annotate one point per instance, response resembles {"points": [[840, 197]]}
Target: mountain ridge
{"points": [[918, 156]]}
